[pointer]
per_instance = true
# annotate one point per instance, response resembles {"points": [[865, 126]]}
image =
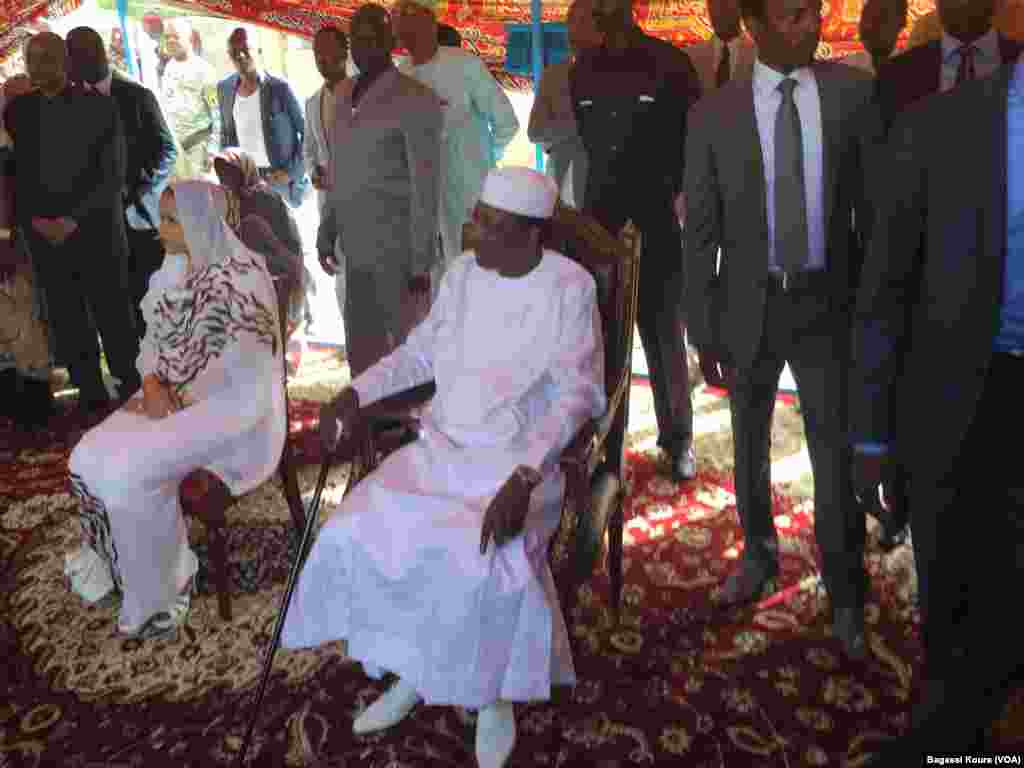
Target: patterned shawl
{"points": [[192, 318]]}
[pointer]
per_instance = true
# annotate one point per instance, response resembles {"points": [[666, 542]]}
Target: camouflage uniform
{"points": [[189, 99]]}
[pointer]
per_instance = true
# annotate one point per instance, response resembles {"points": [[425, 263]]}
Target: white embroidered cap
{"points": [[520, 190]]}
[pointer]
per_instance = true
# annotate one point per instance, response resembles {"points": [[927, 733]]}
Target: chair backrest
{"points": [[615, 265], [284, 285]]}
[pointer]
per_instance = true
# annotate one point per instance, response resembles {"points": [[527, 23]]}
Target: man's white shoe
{"points": [[391, 708], [495, 735]]}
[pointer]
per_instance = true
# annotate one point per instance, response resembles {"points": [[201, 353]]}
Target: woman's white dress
{"points": [[397, 569], [126, 471]]}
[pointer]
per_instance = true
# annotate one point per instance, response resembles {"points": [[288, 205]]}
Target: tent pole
{"points": [[537, 48], [122, 14]]}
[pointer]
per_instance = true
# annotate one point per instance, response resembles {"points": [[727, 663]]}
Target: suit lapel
{"points": [[1009, 50], [928, 79], [265, 104], [996, 173], [831, 126], [743, 115]]}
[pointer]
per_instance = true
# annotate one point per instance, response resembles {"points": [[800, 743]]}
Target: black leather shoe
{"points": [[684, 465], [35, 403], [848, 627], [749, 584]]}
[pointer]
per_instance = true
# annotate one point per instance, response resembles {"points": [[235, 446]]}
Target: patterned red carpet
{"points": [[679, 682]]}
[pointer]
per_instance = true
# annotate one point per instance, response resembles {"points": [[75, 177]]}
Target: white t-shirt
{"points": [[249, 125]]}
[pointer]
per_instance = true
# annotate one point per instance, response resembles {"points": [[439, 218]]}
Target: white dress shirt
{"points": [[249, 125], [987, 59], [767, 99]]}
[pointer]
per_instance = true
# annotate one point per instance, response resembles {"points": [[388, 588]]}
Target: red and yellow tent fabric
{"points": [[481, 22]]}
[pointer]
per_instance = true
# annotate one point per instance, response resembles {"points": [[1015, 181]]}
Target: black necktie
{"points": [[966, 69], [791, 246], [722, 76]]}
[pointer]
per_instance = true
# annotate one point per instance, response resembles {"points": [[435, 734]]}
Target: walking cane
{"points": [[311, 517]]}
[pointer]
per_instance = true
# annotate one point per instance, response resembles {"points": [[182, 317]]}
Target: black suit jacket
{"points": [[917, 73], [932, 278], [91, 165], [630, 110], [149, 146]]}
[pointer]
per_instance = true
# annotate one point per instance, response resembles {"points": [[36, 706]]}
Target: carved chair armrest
{"points": [[577, 454], [584, 452]]}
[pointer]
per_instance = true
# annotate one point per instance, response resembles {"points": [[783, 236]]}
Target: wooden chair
{"points": [[205, 497], [593, 461]]}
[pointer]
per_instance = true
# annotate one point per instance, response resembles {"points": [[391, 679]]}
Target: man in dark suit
{"points": [[941, 313], [773, 177], [69, 161], [630, 97], [260, 114], [149, 159], [969, 48]]}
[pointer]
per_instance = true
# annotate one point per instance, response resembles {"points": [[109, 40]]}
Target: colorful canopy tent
{"points": [[481, 22]]}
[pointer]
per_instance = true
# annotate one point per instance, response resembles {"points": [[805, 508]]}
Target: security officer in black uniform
{"points": [[631, 96]]}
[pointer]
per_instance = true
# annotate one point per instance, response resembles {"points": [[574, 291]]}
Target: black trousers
{"points": [[968, 531], [146, 254], [86, 292], [801, 328], [660, 319]]}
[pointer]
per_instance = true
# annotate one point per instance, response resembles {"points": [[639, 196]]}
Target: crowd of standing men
{"points": [[858, 223]]}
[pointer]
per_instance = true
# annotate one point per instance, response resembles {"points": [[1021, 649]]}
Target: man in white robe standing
{"points": [[479, 121], [404, 570]]}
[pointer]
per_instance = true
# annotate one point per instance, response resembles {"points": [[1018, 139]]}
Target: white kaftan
{"points": [[213, 336], [479, 122], [397, 569]]}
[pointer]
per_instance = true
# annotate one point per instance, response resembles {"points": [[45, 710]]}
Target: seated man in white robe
{"points": [[434, 567]]}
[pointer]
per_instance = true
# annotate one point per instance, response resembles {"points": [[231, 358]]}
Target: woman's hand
{"points": [[506, 514], [158, 401]]}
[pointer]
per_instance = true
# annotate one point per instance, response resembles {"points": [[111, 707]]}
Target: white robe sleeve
{"points": [[412, 363], [246, 396], [577, 370], [488, 98], [171, 273]]}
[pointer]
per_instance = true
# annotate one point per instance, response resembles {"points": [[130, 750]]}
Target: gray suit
{"points": [[757, 325], [383, 205], [317, 151]]}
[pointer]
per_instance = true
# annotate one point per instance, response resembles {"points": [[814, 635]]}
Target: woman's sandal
{"points": [[164, 624]]}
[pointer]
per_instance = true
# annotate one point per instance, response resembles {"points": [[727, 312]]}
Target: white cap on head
{"points": [[520, 190]]}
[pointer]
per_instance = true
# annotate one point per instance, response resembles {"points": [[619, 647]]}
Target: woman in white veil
{"points": [[212, 398]]}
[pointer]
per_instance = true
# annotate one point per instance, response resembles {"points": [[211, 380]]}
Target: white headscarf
{"points": [[191, 317]]}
